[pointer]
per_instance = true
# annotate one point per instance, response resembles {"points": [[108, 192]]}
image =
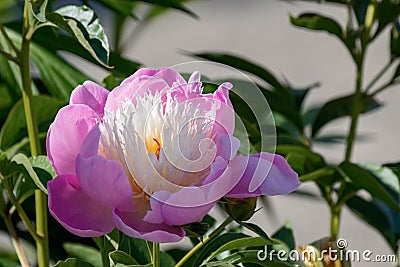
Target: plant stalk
{"points": [[356, 110], [42, 243], [205, 241], [156, 254], [13, 234]]}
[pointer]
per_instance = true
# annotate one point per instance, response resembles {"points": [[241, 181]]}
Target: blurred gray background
{"points": [[260, 31]]}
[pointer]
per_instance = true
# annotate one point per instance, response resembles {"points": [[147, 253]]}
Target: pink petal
{"points": [[66, 135], [178, 215], [168, 75], [266, 174], [75, 210], [104, 181], [129, 91], [133, 225], [90, 94]]}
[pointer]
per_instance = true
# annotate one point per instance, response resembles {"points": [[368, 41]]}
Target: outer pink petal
{"points": [[75, 210], [104, 181], [175, 215], [66, 135], [90, 94], [168, 75], [266, 174], [132, 224]]}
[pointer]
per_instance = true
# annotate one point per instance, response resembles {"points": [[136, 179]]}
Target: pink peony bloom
{"points": [[150, 156]]}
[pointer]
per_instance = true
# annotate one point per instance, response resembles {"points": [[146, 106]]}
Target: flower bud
{"points": [[241, 209]]}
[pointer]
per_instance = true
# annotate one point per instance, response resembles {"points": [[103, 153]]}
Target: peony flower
{"points": [[150, 156]]}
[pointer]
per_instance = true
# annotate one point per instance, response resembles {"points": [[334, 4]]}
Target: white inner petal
{"points": [[161, 143]]}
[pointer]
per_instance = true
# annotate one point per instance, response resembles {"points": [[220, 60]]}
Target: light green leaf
{"points": [[118, 256], [237, 244], [84, 253], [82, 24], [72, 263], [41, 14], [24, 160]]}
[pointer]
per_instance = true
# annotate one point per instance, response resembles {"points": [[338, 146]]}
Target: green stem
{"points": [[42, 243], [205, 241], [21, 212], [13, 234], [150, 249], [356, 110], [156, 254], [8, 40], [335, 221], [379, 75]]}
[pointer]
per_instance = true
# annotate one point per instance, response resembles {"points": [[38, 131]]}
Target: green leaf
{"points": [[387, 12], [285, 234], [41, 5], [171, 4], [8, 167], [301, 158], [43, 162], [322, 173], [214, 244], [124, 8], [82, 24], [84, 253], [239, 243], [242, 64], [363, 180], [251, 256], [373, 214], [24, 160], [166, 260], [395, 40], [340, 107], [118, 256], [72, 263], [313, 21], [137, 248], [14, 129], [257, 230]]}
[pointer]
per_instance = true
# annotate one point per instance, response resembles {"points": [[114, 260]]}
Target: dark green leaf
{"points": [[166, 260], [121, 7], [82, 24], [14, 129], [285, 234], [373, 214], [395, 40], [360, 9], [363, 180], [302, 159], [8, 167], [242, 64], [257, 230], [118, 256], [171, 4], [340, 107], [72, 263], [387, 12], [84, 253], [313, 21]]}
